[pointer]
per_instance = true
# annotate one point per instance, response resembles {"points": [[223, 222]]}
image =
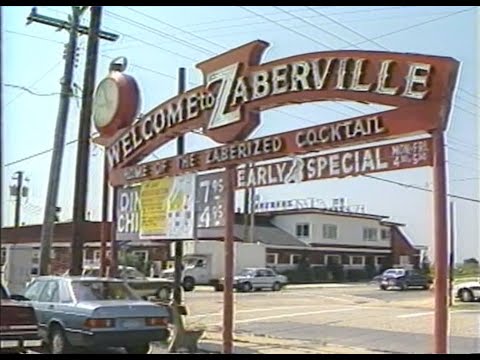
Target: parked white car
{"points": [[258, 278], [467, 291]]}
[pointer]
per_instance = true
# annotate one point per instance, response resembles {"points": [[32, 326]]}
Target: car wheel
{"points": [[58, 342], [466, 295], [426, 287], [164, 293], [246, 287], [138, 349], [383, 287], [276, 286], [218, 287], [188, 284]]}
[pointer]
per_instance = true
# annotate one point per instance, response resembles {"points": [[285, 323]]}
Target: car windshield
{"points": [[247, 272], [393, 272], [102, 290]]}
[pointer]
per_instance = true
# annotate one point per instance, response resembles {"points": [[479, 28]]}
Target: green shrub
{"points": [[370, 270], [336, 271], [357, 275], [320, 274]]}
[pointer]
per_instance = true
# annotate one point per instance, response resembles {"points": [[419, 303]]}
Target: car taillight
{"points": [[99, 323], [156, 321]]}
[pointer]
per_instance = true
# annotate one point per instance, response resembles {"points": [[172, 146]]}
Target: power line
{"points": [[345, 40], [420, 188], [33, 92], [417, 25], [159, 32], [462, 152], [36, 81], [34, 37], [466, 179], [472, 95], [172, 26], [208, 29]]}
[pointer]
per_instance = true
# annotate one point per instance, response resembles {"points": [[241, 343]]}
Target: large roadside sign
{"points": [[157, 209]]}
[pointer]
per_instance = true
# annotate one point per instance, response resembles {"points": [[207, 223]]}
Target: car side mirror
{"points": [[18, 297]]}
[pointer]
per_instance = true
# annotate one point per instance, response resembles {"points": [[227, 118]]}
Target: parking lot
{"points": [[359, 316]]}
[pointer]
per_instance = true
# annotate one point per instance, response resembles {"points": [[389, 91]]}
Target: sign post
{"points": [[228, 313], [441, 244]]}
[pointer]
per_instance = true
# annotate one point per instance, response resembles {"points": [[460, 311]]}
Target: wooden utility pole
{"points": [[59, 139], [177, 290], [83, 149], [18, 197], [74, 27]]}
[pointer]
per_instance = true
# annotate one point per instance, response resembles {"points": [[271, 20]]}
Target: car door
{"points": [[418, 279], [260, 279], [270, 278], [32, 293], [49, 300]]}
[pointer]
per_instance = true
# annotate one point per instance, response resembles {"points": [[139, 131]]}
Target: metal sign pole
{"points": [[229, 256], [441, 243]]}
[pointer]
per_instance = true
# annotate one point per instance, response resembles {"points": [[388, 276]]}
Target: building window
{"points": [[294, 259], [97, 254], [379, 260], [302, 230], [36, 255], [333, 259], [330, 231], [272, 258], [370, 234], [141, 255], [357, 260], [404, 260], [385, 234]]}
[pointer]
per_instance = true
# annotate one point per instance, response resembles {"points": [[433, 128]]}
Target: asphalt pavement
{"points": [[354, 316]]}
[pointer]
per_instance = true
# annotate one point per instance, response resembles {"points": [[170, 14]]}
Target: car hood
{"points": [[468, 284]]}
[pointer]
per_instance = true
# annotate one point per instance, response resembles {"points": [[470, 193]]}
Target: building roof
{"points": [[266, 234], [322, 212], [269, 235]]}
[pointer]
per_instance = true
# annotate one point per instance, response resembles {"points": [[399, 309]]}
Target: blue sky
{"points": [[158, 40]]}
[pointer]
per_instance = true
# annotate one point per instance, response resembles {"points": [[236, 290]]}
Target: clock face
{"points": [[105, 103]]}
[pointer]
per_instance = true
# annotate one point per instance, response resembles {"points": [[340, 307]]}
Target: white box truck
{"points": [[204, 261], [17, 270]]}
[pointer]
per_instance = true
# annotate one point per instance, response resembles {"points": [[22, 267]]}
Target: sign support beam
{"points": [[177, 290], [229, 264], [441, 243]]}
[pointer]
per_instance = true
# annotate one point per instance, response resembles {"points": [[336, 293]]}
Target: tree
{"points": [[304, 270], [426, 266], [132, 260], [471, 261]]}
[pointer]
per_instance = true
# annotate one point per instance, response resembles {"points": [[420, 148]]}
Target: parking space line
{"points": [[256, 310], [292, 315], [406, 316]]}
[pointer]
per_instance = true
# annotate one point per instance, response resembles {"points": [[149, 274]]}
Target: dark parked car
{"points": [[18, 324], [95, 313], [405, 279]]}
